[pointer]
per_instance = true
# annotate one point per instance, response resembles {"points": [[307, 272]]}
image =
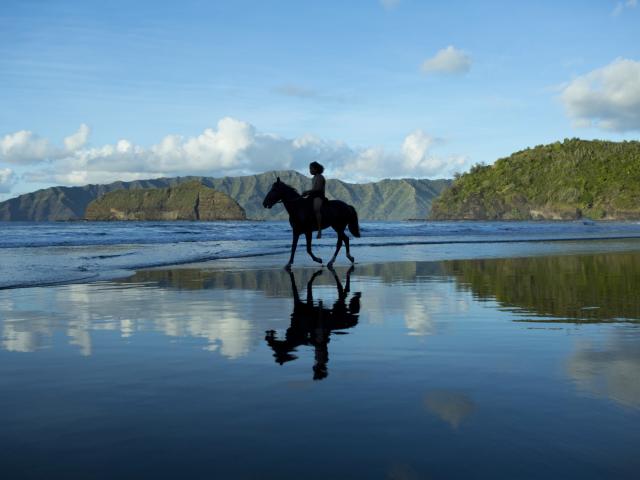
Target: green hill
{"points": [[186, 201], [384, 200], [568, 180]]}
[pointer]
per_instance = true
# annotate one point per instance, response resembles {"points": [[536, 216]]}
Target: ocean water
{"points": [[514, 367], [49, 253]]}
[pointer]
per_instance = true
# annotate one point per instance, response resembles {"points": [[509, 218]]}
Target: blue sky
{"points": [[373, 88]]}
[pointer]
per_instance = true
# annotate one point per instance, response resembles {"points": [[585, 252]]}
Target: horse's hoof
{"points": [[287, 266], [318, 260], [330, 265], [351, 259]]}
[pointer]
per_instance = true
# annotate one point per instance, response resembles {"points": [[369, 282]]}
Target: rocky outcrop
{"points": [[187, 201]]}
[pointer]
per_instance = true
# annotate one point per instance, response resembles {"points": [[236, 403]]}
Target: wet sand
{"points": [[513, 361]]}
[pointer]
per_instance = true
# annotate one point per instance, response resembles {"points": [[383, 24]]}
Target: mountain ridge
{"points": [[387, 199]]}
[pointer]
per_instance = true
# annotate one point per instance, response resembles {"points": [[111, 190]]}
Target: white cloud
{"points": [[413, 160], [78, 139], [235, 147], [7, 179], [389, 4], [448, 60], [608, 97], [620, 6], [24, 147]]}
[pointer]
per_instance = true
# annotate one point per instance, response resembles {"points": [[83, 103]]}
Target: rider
{"points": [[317, 192]]}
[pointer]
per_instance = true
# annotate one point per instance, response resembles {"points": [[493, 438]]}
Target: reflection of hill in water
{"points": [[582, 288], [276, 282]]}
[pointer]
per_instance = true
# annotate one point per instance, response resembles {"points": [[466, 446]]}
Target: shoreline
{"points": [[369, 253]]}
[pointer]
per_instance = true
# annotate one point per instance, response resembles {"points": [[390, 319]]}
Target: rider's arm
{"points": [[316, 185]]}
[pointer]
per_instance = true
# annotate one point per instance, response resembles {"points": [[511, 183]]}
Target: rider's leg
{"points": [[317, 208]]}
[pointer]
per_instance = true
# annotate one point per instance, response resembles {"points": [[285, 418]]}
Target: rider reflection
{"points": [[312, 323]]}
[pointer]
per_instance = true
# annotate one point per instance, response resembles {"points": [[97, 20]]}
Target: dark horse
{"points": [[335, 214], [312, 324]]}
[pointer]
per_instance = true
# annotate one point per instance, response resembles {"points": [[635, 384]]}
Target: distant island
{"points": [[562, 181], [383, 200], [185, 201]]}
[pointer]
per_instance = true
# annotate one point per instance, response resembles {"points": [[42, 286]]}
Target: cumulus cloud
{"points": [[7, 179], [608, 97], [25, 147], [621, 6], [78, 139], [235, 147], [414, 159], [449, 60]]}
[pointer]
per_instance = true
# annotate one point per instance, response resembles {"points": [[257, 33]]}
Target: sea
{"points": [[457, 350], [46, 253]]}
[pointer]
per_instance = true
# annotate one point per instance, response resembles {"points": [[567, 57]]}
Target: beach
{"points": [[518, 359]]}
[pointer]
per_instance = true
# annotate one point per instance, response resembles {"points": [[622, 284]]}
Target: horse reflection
{"points": [[312, 323]]}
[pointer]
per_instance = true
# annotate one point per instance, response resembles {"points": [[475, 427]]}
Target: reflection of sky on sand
{"points": [[85, 309], [230, 311], [451, 406], [610, 368], [226, 316], [430, 373], [419, 307]]}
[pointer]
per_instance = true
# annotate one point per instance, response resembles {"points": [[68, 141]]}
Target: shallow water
{"points": [[500, 368], [44, 253]]}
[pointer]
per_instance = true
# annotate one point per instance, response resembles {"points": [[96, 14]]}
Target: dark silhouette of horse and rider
{"points": [[312, 323], [312, 211]]}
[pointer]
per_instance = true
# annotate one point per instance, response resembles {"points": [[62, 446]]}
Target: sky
{"points": [[95, 91]]}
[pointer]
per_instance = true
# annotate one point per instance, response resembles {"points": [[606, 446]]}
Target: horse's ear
{"points": [[278, 180]]}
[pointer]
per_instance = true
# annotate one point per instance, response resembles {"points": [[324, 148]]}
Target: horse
{"points": [[335, 214]]}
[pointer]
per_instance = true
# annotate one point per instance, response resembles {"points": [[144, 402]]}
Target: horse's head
{"points": [[274, 195]]}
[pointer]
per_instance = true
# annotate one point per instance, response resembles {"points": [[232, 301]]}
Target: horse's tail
{"points": [[354, 227]]}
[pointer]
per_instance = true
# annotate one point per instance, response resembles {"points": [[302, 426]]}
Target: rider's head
{"points": [[315, 168]]}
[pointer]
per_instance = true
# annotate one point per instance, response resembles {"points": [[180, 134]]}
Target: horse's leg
{"points": [[294, 244], [345, 237], [338, 245], [307, 235]]}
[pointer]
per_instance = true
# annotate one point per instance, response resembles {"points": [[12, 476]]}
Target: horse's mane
{"points": [[289, 188]]}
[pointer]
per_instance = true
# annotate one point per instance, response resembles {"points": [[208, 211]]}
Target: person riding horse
{"points": [[304, 217]]}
